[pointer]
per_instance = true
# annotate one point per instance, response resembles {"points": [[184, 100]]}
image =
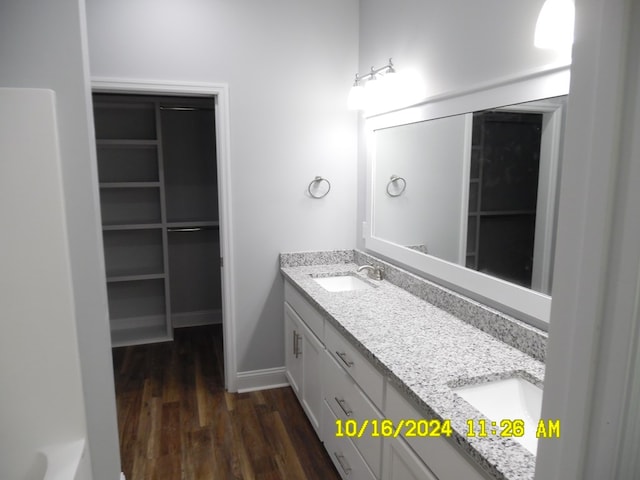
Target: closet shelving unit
{"points": [[158, 196]]}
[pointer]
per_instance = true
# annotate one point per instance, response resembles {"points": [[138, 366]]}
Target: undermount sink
{"points": [[512, 398], [342, 283]]}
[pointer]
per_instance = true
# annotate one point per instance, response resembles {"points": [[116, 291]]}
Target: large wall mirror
{"points": [[469, 198]]}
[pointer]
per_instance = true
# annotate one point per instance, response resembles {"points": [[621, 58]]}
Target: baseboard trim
{"points": [[253, 380]]}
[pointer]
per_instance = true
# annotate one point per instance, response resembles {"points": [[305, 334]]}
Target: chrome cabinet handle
{"points": [[298, 350], [345, 359], [344, 406], [295, 344], [343, 463]]}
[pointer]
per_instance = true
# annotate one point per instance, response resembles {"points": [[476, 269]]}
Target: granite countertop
{"points": [[424, 351]]}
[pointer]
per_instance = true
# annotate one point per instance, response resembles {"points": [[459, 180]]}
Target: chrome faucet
{"points": [[373, 272]]}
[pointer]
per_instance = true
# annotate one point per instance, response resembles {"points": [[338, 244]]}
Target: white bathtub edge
{"points": [[67, 461]]}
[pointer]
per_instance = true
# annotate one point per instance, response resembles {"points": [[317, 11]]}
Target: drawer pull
{"points": [[295, 344], [297, 349], [343, 463], [344, 406], [343, 356]]}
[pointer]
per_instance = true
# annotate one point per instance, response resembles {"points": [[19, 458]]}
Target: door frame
{"points": [[546, 209], [220, 92]]}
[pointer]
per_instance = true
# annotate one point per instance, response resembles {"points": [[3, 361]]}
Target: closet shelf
{"points": [[130, 185], [136, 277], [132, 226], [501, 213], [126, 143]]}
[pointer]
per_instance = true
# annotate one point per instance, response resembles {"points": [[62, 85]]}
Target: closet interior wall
{"points": [[159, 202]]}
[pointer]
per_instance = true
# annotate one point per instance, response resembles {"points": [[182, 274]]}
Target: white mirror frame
{"points": [[521, 302]]}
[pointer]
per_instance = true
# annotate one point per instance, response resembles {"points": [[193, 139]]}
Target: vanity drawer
{"points": [[445, 460], [402, 462], [367, 377], [343, 453], [303, 308], [348, 402]]}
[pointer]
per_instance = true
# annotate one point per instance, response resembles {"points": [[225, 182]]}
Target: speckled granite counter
{"points": [[423, 350]]}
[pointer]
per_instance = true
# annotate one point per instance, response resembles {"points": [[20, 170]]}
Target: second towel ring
{"points": [[317, 181], [393, 180]]}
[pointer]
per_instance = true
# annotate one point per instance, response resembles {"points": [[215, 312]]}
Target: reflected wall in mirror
{"points": [[480, 189]]}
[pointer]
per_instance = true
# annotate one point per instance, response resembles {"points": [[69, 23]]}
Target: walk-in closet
{"points": [[159, 204]]}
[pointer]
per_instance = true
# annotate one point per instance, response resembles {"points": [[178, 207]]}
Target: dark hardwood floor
{"points": [[177, 422]]}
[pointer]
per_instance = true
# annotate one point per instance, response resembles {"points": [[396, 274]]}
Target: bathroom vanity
{"points": [[375, 365]]}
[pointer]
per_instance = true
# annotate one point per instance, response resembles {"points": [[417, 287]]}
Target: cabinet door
{"points": [[401, 463], [312, 353], [293, 349]]}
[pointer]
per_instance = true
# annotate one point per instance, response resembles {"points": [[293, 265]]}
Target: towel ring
{"points": [[317, 181], [394, 179]]}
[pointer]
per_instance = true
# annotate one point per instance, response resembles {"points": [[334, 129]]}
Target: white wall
{"points": [[289, 66], [43, 45], [455, 44]]}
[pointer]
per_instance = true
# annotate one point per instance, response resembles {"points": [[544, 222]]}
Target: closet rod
{"points": [[191, 229], [185, 109]]}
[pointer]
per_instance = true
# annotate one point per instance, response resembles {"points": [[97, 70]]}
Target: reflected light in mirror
{"points": [[394, 91], [554, 29]]}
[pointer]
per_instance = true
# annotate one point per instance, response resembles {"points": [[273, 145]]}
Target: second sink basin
{"points": [[509, 399], [342, 283]]}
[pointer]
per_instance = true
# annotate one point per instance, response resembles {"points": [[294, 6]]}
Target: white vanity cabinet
{"points": [[304, 351], [323, 380], [336, 383], [352, 408], [434, 455], [345, 456], [304, 365]]}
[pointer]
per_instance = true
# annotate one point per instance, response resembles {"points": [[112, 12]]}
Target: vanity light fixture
{"points": [[367, 85], [554, 28]]}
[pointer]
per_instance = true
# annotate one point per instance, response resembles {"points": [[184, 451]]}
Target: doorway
{"points": [[514, 173], [190, 241], [503, 194]]}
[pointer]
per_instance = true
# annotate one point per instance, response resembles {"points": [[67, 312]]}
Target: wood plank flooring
{"points": [[176, 421]]}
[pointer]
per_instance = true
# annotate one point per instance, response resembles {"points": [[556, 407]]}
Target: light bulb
{"points": [[356, 99], [554, 29]]}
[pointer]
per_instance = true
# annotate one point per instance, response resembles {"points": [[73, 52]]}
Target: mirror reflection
{"points": [[477, 189]]}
